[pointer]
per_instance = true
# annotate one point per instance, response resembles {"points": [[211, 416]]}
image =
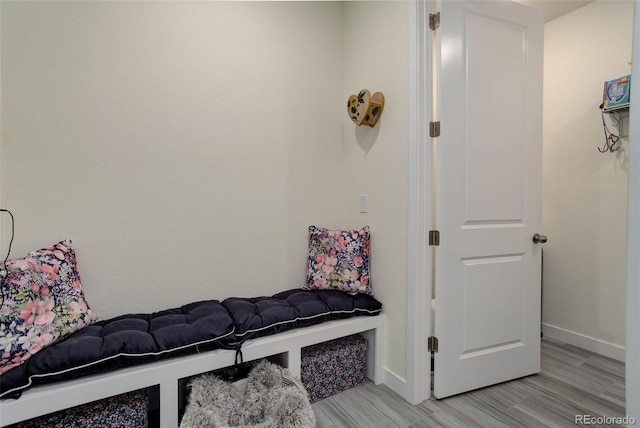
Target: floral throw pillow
{"points": [[42, 302], [339, 260]]}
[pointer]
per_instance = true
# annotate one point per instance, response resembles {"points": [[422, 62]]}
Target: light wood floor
{"points": [[572, 382]]}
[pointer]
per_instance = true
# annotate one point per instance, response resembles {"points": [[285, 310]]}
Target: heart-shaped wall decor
{"points": [[364, 108]]}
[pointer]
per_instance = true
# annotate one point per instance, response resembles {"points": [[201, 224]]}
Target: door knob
{"points": [[539, 239]]}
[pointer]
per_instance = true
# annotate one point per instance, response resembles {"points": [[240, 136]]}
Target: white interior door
{"points": [[489, 194]]}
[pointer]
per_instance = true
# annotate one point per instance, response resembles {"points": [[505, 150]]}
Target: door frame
{"points": [[418, 379], [633, 241]]}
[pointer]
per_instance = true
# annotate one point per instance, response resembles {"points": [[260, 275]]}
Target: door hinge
{"points": [[434, 21], [434, 238], [432, 344], [434, 129]]}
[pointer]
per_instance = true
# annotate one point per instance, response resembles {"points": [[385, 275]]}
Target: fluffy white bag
{"points": [[269, 398]]}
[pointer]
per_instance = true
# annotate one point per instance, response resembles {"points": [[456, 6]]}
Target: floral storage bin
{"points": [[335, 366], [122, 411]]}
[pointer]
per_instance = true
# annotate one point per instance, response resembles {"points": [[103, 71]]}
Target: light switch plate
{"points": [[364, 203]]}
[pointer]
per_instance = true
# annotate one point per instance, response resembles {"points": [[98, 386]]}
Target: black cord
{"points": [[4, 277], [611, 140]]}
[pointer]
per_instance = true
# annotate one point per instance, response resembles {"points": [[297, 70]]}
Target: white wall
{"points": [[376, 159], [585, 192], [3, 250], [185, 147]]}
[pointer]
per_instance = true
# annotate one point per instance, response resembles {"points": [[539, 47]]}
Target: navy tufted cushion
{"points": [[124, 341], [262, 316]]}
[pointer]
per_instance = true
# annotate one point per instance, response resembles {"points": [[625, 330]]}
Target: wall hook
{"points": [[364, 108]]}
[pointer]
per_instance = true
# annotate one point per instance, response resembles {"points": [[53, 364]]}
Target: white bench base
{"points": [[43, 399]]}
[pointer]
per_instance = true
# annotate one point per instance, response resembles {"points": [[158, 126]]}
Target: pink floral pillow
{"points": [[42, 302], [339, 260]]}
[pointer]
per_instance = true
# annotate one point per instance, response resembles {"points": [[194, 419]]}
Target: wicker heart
{"points": [[365, 109]]}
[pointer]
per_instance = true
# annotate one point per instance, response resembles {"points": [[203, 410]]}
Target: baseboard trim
{"points": [[589, 343], [395, 382]]}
